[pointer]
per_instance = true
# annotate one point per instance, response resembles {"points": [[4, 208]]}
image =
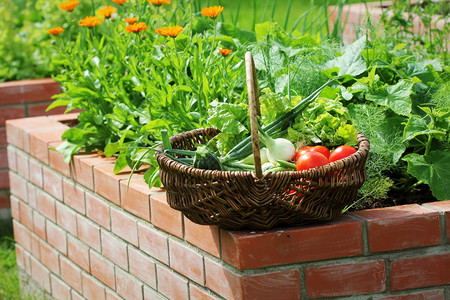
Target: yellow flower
{"points": [[69, 5], [225, 52], [159, 2], [170, 31], [55, 31], [131, 20], [90, 22], [120, 2], [136, 27], [212, 11], [107, 11]]}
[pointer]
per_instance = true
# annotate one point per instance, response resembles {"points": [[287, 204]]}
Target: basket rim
{"points": [[362, 152]]}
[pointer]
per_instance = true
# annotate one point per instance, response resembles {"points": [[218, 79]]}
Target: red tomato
{"points": [[310, 159], [321, 149], [301, 151], [341, 152]]}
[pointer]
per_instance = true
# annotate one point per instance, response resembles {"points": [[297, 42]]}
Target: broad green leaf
{"points": [[433, 169], [121, 163], [418, 126], [397, 97], [68, 150], [351, 62], [155, 125], [111, 149]]}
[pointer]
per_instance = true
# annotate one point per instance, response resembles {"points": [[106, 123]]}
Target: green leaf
{"points": [[433, 169], [418, 126], [397, 97], [351, 62], [68, 150], [121, 162], [157, 124], [111, 149]]}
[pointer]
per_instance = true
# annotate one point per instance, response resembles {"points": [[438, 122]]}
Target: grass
{"points": [[9, 278]]}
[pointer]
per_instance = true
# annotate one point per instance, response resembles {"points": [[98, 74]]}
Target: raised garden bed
{"points": [[83, 232]]}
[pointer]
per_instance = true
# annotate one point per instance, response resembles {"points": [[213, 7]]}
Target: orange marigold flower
{"points": [[212, 11], [120, 2], [172, 31], [136, 27], [107, 11], [55, 31], [69, 5], [159, 2], [225, 52], [90, 22], [131, 20]]}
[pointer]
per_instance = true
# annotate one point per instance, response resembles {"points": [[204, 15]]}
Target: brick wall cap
{"points": [[394, 212]]}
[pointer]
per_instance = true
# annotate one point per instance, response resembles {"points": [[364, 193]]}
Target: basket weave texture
{"points": [[239, 200]]}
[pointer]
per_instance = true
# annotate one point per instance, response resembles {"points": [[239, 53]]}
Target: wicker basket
{"points": [[252, 200]]}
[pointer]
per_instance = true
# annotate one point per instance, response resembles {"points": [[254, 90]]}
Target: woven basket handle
{"points": [[253, 103]]}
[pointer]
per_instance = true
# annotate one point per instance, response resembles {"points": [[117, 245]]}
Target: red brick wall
{"points": [[19, 99], [81, 232]]}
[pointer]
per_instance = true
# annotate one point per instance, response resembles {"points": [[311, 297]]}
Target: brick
{"points": [[20, 256], [171, 285], [40, 274], [39, 139], [3, 159], [70, 273], [127, 286], [92, 289], [12, 161], [56, 237], [186, 261], [165, 217], [15, 208], [3, 137], [203, 236], [102, 269], [82, 169], [5, 201], [247, 250], [46, 205], [195, 293], [111, 295], [49, 257], [150, 294], [27, 262], [35, 246], [78, 253], [56, 160], [53, 184], [31, 195], [18, 186], [444, 208], [114, 249], [222, 280], [153, 243], [420, 272], [26, 215], [74, 196], [98, 211], [66, 218], [60, 290], [39, 226], [135, 198], [142, 266], [35, 110], [401, 227], [76, 296], [124, 226], [68, 118], [22, 235], [88, 232], [11, 112], [426, 295], [28, 90], [4, 180], [106, 183], [346, 279], [36, 176], [22, 165], [277, 286]]}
